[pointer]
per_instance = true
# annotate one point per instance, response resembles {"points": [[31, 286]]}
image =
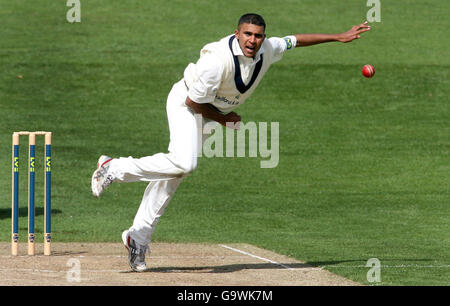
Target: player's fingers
{"points": [[358, 33], [364, 25], [366, 28], [362, 31], [363, 28]]}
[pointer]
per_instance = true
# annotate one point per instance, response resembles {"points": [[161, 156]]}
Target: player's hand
{"points": [[232, 121], [354, 32]]}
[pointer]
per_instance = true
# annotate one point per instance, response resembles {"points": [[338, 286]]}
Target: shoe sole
{"points": [[125, 239], [95, 192], [93, 183]]}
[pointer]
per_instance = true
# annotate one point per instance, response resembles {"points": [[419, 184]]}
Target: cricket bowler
{"points": [[224, 77]]}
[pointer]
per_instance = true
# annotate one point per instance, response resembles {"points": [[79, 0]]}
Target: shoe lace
{"points": [[138, 252], [108, 181]]}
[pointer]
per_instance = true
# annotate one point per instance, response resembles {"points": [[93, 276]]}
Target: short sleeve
{"points": [[208, 69], [281, 45]]}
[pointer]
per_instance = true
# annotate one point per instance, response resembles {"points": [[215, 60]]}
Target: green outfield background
{"points": [[364, 168]]}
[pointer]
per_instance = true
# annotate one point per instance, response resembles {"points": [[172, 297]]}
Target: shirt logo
{"points": [[288, 43], [225, 100]]}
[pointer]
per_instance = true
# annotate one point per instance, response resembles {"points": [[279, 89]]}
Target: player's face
{"points": [[250, 38]]}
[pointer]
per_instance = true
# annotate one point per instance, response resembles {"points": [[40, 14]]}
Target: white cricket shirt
{"points": [[214, 78]]}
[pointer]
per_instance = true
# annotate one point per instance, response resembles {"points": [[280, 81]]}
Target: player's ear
{"points": [[236, 33]]}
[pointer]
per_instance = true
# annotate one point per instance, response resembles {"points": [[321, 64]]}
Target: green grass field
{"points": [[364, 167]]}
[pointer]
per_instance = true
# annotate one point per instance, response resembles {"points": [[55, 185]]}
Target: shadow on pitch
{"points": [[5, 213], [228, 268], [261, 266]]}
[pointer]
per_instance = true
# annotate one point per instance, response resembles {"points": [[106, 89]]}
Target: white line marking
{"points": [[258, 257]]}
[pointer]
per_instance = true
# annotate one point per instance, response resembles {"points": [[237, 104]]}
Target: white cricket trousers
{"points": [[163, 171]]}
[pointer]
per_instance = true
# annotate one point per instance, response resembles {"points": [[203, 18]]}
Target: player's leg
{"points": [[183, 152], [178, 162], [156, 197], [183, 149], [181, 158]]}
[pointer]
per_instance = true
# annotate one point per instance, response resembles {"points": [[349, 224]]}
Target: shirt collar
{"points": [[238, 51]]}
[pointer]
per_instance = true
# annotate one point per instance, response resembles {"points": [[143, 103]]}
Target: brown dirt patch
{"points": [[169, 265]]}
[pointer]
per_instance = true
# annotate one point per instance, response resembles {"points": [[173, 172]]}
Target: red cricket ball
{"points": [[368, 71]]}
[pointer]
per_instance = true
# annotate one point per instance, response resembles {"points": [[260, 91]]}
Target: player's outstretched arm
{"points": [[304, 40]]}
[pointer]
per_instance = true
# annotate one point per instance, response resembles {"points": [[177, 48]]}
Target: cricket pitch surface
{"points": [[170, 264]]}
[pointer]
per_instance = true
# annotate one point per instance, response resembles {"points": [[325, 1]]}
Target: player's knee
{"points": [[187, 167], [186, 164]]}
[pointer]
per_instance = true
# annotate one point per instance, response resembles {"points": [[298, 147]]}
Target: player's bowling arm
{"points": [[304, 40], [209, 112]]}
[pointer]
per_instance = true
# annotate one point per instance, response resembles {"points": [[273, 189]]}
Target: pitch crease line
{"points": [[258, 257]]}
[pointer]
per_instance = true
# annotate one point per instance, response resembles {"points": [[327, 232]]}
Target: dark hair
{"points": [[252, 19]]}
